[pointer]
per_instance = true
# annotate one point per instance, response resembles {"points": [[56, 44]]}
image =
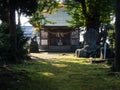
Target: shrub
{"points": [[6, 52]]}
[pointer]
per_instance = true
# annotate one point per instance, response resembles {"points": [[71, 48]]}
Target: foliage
{"points": [[7, 15], [4, 43], [6, 55], [45, 6], [21, 44], [90, 13], [76, 13], [26, 7], [116, 65], [76, 22], [3, 35], [111, 35]]}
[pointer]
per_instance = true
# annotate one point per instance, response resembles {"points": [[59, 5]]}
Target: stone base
{"points": [[87, 52]]}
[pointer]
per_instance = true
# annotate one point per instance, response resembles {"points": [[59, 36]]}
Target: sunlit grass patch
{"points": [[59, 65], [49, 74]]}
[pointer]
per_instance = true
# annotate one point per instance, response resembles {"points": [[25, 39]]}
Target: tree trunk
{"points": [[12, 28], [116, 64], [19, 15], [93, 22], [90, 39]]}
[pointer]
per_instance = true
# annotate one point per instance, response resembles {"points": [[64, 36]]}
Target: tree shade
{"points": [[116, 65]]}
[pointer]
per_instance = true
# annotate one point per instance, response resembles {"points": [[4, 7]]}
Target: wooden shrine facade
{"points": [[59, 38]]}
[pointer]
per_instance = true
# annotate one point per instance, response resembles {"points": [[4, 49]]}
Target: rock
{"points": [[34, 46], [90, 46]]}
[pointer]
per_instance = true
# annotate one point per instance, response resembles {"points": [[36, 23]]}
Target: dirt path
{"points": [[50, 55]]}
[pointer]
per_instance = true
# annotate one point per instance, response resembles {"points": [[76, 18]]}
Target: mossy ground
{"points": [[58, 72]]}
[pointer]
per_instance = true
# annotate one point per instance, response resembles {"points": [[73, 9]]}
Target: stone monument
{"points": [[90, 38]]}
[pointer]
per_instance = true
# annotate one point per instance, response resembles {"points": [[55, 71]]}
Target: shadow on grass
{"points": [[76, 74], [13, 79], [60, 74]]}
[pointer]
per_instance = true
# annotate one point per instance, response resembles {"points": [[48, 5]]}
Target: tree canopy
{"points": [[91, 13], [116, 64], [23, 6]]}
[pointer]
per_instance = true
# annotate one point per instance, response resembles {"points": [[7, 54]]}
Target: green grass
{"points": [[60, 73]]}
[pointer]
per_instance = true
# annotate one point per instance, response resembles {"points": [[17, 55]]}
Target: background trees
{"points": [[91, 13], [116, 65], [8, 16], [32, 8]]}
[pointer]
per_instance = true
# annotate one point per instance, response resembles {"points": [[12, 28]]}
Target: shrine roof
{"points": [[60, 18]]}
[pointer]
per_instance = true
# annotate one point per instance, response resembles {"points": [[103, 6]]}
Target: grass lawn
{"points": [[59, 72]]}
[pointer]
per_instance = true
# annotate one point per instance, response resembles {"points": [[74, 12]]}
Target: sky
{"points": [[24, 20]]}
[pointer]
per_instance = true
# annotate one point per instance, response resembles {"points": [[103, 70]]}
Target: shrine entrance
{"points": [[56, 38], [59, 38]]}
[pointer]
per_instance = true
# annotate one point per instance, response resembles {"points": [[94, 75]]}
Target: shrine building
{"points": [[59, 36]]}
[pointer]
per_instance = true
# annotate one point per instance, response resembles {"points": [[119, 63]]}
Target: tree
{"points": [[38, 19], [91, 12], [116, 64], [7, 15], [26, 7]]}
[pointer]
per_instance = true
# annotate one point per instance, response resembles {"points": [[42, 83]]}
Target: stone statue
{"points": [[34, 45]]}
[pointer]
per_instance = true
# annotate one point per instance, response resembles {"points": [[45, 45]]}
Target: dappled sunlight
{"points": [[60, 65], [46, 55], [48, 74], [44, 63], [75, 60], [60, 57], [68, 72]]}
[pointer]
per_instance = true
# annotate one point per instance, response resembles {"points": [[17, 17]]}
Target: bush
{"points": [[22, 49], [6, 52]]}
